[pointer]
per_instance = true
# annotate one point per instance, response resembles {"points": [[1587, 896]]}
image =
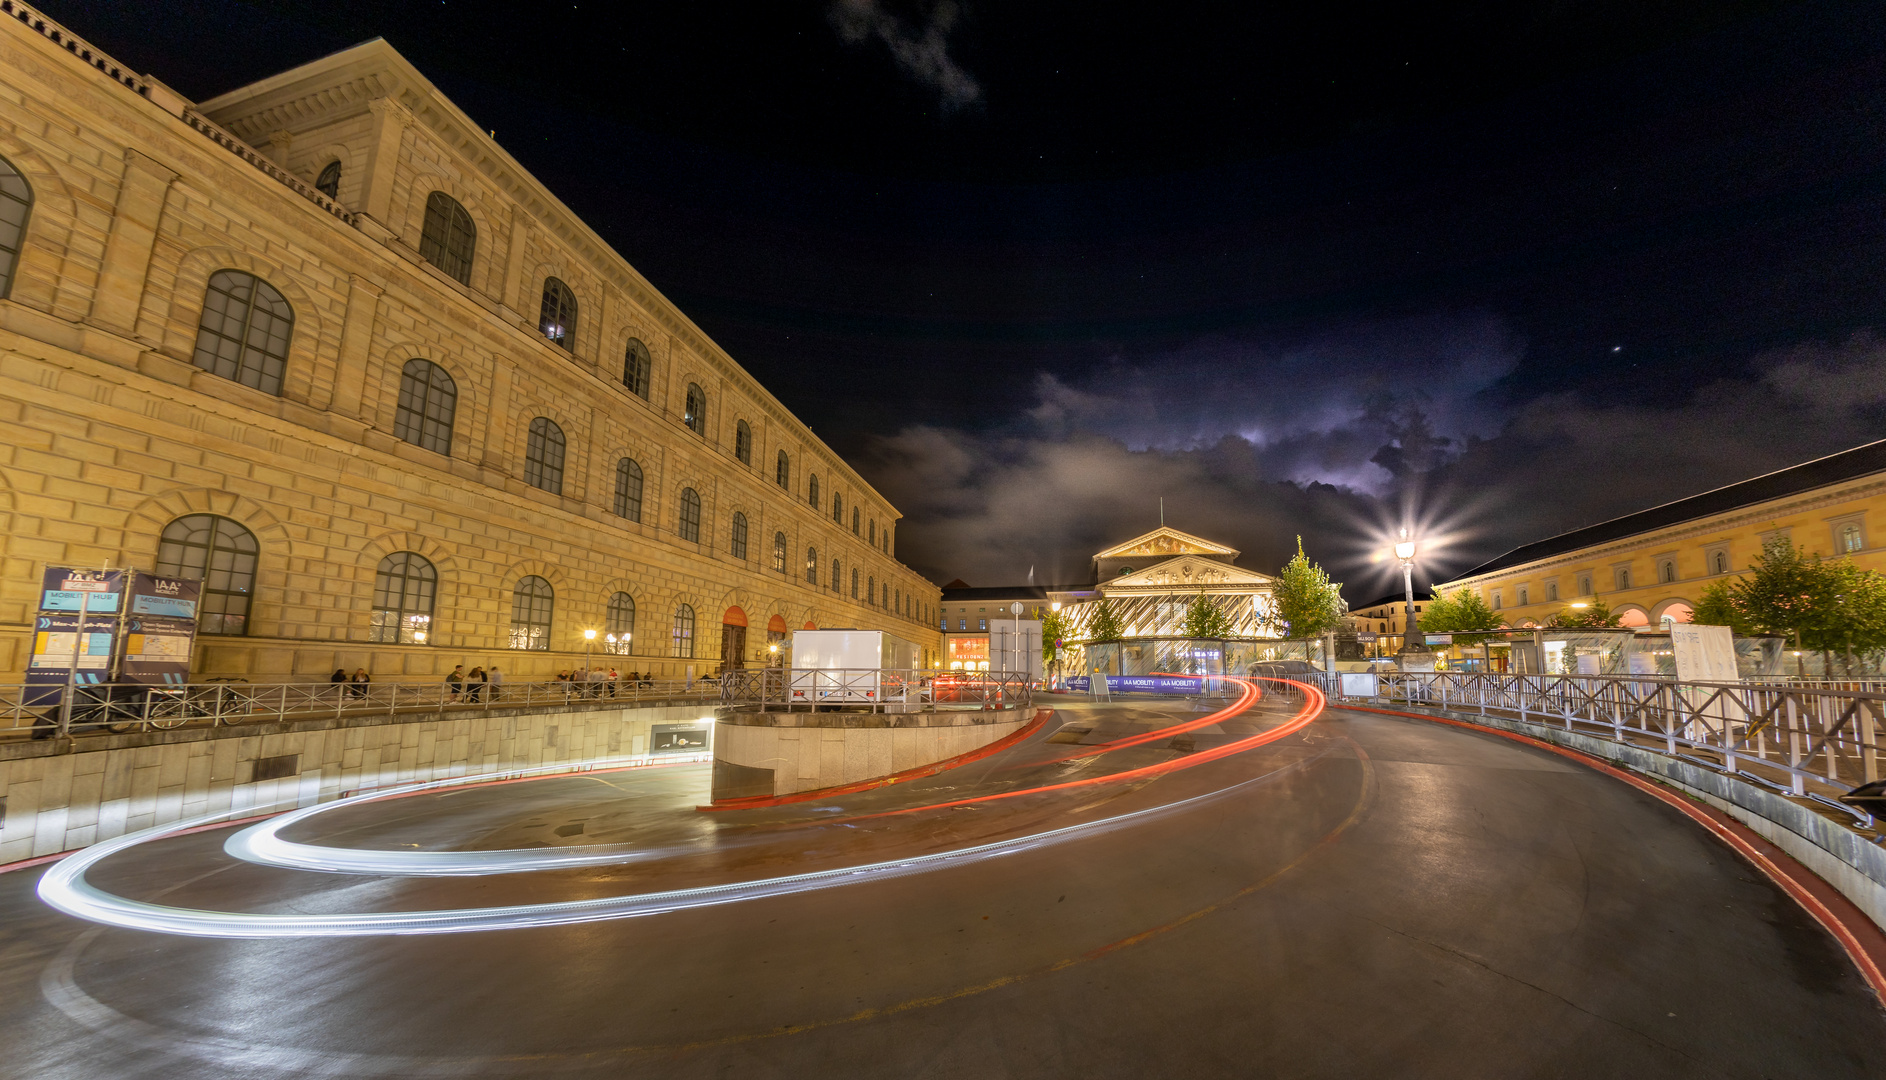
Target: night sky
{"points": [[1500, 268]]}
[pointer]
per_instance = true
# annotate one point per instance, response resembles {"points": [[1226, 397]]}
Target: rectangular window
{"points": [[1551, 590], [1622, 576], [1498, 600], [1525, 597], [1584, 584], [1666, 571]]}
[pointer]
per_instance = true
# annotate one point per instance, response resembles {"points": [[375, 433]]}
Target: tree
{"points": [[1717, 607], [1104, 623], [1205, 619], [1056, 628], [1463, 611], [1597, 613], [1306, 603]]}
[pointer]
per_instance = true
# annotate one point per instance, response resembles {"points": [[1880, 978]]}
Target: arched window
{"points": [[543, 456], [737, 547], [1850, 537], [873, 530], [838, 508], [329, 182], [222, 555], [779, 552], [838, 583], [403, 590], [871, 590], [556, 319], [245, 331], [782, 471], [688, 524], [629, 489], [532, 604], [448, 237], [854, 583], [695, 416], [621, 624], [428, 400], [854, 521], [683, 647], [16, 205], [743, 443], [812, 490], [636, 368], [1721, 562], [812, 566]]}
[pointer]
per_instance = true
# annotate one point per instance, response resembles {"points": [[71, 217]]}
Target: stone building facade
{"points": [[323, 342]]}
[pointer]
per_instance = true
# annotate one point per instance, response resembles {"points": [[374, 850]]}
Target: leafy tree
{"points": [[1205, 619], [1717, 607], [1104, 624], [1463, 611], [1306, 603], [1056, 627], [1597, 613]]}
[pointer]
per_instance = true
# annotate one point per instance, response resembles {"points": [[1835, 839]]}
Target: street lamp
{"points": [[1415, 655], [589, 643]]}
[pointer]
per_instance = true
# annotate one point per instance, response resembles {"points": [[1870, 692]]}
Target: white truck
{"points": [[840, 666]]}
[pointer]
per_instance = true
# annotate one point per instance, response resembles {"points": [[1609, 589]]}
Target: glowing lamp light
{"points": [[1056, 606], [589, 635], [1581, 604], [1405, 547]]}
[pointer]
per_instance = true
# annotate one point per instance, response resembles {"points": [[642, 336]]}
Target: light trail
{"points": [[65, 887], [1247, 697]]}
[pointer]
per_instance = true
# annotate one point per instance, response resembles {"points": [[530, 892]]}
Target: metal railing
{"points": [[36, 711], [771, 689], [1811, 741]]}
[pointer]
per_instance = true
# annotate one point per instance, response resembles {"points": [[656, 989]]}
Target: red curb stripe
{"points": [[756, 802], [1736, 835]]}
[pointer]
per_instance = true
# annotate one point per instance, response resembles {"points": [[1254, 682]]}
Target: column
{"points": [[141, 196]]}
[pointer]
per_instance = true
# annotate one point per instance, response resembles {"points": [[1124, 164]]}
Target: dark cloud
{"points": [[1283, 442], [921, 51]]}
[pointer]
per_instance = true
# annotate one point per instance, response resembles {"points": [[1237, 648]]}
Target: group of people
{"points": [[472, 685], [596, 682], [356, 683]]}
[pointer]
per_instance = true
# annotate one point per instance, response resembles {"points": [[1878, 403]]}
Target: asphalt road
{"points": [[1370, 897]]}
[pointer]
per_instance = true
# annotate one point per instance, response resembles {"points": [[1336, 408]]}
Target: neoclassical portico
{"points": [[1152, 579]]}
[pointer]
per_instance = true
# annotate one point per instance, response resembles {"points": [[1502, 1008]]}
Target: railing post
{"points": [[1796, 781]]}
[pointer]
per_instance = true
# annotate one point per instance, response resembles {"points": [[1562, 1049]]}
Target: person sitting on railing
{"points": [[339, 677], [357, 686]]}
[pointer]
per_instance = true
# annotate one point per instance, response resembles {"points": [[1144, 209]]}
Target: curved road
{"points": [[1370, 896]]}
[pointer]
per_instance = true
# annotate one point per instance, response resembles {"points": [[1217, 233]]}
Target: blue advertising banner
{"points": [[1148, 684], [159, 631]]}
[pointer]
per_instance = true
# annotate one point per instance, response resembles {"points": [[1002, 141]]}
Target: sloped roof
{"points": [[1165, 541], [1794, 480]]}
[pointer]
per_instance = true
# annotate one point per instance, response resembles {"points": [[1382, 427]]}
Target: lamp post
{"points": [[1415, 654], [589, 645]]}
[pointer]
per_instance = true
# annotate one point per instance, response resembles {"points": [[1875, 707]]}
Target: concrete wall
{"points": [[56, 802], [804, 758]]}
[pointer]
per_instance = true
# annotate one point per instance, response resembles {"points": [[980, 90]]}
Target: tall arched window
{"points": [[428, 401], [838, 508], [873, 530], [16, 205], [854, 521], [403, 591], [448, 238], [683, 634], [1722, 562], [838, 582], [245, 331], [532, 604], [543, 456], [637, 368], [621, 624], [329, 182], [779, 552], [556, 319], [222, 555], [629, 489], [854, 583], [812, 490], [688, 521], [737, 546], [812, 566], [871, 589], [743, 442], [782, 470], [695, 417]]}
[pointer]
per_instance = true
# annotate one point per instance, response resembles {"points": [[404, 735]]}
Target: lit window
{"points": [[1851, 539], [329, 182], [695, 417], [16, 205], [636, 367], [532, 604], [428, 400], [543, 456], [689, 520], [779, 552], [683, 633], [621, 624], [812, 566], [245, 330], [447, 238], [556, 318], [222, 555], [629, 489], [403, 590]]}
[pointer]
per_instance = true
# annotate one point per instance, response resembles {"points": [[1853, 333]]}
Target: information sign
{"points": [[159, 630], [64, 651]]}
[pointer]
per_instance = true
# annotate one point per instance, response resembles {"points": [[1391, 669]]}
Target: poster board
{"points": [[74, 632], [159, 630]]}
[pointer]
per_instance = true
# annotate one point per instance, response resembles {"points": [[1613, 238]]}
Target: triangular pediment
{"points": [[1187, 573], [1165, 542]]}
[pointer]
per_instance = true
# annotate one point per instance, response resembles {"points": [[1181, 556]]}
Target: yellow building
{"points": [[1653, 565], [323, 343], [1389, 615]]}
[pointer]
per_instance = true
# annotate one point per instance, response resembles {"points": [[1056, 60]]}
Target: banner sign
{"points": [[679, 738], [160, 630], [63, 650], [1147, 684]]}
